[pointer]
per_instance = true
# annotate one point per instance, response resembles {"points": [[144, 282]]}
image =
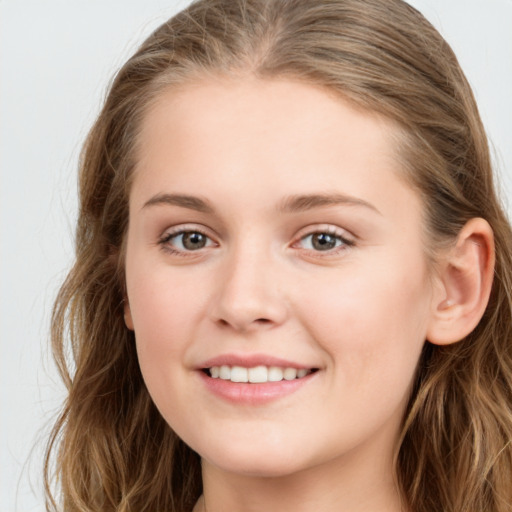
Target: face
{"points": [[272, 239]]}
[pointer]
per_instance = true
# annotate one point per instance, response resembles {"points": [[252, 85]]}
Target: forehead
{"points": [[260, 138], [286, 110]]}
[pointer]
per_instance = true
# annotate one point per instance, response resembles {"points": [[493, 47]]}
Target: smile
{"points": [[257, 374]]}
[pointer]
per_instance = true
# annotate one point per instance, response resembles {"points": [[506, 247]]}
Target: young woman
{"points": [[293, 276]]}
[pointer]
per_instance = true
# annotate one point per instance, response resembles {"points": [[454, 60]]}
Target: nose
{"points": [[249, 293]]}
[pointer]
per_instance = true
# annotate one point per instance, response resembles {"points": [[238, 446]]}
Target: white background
{"points": [[56, 59]]}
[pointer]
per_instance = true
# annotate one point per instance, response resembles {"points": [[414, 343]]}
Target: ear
{"points": [[128, 314], [464, 284]]}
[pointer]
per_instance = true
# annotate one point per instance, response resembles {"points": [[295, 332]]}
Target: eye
{"points": [[185, 241], [324, 241]]}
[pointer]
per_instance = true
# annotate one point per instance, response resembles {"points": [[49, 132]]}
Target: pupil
{"points": [[324, 241], [194, 240]]}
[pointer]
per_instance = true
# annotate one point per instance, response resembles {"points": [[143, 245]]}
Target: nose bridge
{"points": [[249, 292]]}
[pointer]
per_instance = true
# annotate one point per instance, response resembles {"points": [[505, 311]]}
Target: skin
{"points": [[360, 312]]}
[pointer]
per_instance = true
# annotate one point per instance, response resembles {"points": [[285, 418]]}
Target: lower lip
{"points": [[254, 394]]}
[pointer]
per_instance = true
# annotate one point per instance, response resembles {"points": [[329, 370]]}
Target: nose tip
{"points": [[241, 314], [248, 298], [238, 322]]}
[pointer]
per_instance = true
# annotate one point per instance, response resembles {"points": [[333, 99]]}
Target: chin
{"points": [[258, 468], [255, 460]]}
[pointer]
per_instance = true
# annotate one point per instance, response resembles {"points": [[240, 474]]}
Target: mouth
{"points": [[260, 374]]}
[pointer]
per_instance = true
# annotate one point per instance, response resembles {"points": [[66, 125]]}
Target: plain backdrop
{"points": [[56, 60]]}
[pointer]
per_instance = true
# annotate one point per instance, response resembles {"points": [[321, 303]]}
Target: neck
{"points": [[337, 486]]}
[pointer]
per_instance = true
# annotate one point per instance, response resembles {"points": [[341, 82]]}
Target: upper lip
{"points": [[252, 360]]}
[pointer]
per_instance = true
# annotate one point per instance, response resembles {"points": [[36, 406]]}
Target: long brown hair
{"points": [[110, 449]]}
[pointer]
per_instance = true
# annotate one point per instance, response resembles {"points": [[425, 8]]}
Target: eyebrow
{"points": [[300, 203], [182, 200], [291, 204]]}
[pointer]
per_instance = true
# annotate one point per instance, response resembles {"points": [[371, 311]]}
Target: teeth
{"points": [[275, 374], [257, 374], [239, 374], [225, 372], [290, 374]]}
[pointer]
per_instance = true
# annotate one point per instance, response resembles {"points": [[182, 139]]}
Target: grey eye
{"points": [[192, 240], [187, 241], [322, 241]]}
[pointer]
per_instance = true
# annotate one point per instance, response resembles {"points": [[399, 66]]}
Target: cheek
{"points": [[165, 319], [164, 314], [371, 321]]}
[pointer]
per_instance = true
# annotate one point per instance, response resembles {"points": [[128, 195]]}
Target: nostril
{"points": [[258, 323]]}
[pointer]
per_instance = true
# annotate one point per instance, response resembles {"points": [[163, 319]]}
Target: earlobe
{"points": [[465, 279], [128, 315]]}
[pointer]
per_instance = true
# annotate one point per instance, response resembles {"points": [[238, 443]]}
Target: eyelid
{"points": [[174, 231], [348, 239], [326, 228]]}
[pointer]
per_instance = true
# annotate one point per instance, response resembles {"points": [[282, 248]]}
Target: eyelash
{"points": [[165, 240], [345, 243]]}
